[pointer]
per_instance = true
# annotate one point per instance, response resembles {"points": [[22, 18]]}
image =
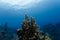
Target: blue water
{"points": [[47, 12]]}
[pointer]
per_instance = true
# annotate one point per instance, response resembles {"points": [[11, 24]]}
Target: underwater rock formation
{"points": [[29, 31]]}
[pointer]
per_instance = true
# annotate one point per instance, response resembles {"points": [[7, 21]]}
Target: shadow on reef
{"points": [[53, 30], [30, 31]]}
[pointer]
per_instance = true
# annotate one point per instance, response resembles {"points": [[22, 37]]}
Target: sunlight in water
{"points": [[19, 4]]}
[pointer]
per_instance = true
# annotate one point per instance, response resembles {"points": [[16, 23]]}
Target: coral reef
{"points": [[29, 31]]}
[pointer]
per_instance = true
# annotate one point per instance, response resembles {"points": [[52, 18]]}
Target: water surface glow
{"points": [[18, 4]]}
